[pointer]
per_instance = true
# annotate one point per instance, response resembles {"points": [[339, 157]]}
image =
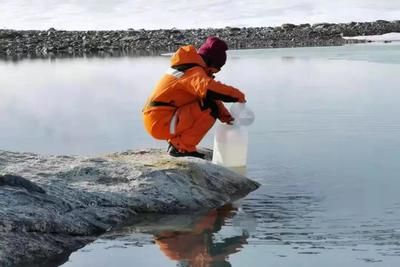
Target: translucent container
{"points": [[230, 141], [230, 145], [243, 115]]}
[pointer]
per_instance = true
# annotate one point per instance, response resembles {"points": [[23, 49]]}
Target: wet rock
{"points": [[52, 205], [18, 181], [17, 45]]}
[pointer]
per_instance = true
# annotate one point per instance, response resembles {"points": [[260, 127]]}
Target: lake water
{"points": [[325, 146]]}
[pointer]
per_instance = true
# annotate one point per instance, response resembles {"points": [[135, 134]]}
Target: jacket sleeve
{"points": [[219, 91], [197, 82]]}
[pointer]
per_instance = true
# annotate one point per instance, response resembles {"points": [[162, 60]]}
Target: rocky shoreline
{"points": [[16, 45], [53, 205]]}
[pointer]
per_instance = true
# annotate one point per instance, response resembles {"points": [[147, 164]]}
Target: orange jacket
{"points": [[177, 88]]}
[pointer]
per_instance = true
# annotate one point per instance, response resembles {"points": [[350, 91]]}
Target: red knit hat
{"points": [[214, 51]]}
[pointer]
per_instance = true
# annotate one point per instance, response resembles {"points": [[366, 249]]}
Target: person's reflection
{"points": [[196, 247]]}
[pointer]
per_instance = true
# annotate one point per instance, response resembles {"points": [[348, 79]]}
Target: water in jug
{"points": [[230, 141]]}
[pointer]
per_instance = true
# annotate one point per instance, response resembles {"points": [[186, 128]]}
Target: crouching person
{"points": [[187, 100]]}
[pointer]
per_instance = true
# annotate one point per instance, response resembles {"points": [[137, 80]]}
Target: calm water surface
{"points": [[325, 146]]}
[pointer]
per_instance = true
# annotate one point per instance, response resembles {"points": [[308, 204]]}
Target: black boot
{"points": [[172, 151]]}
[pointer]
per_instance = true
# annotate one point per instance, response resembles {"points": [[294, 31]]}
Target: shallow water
{"points": [[325, 147]]}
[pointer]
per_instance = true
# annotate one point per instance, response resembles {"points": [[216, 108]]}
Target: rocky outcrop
{"points": [[52, 205], [53, 43]]}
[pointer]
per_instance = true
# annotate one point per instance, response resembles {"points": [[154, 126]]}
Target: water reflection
{"points": [[72, 54], [197, 247], [196, 240]]}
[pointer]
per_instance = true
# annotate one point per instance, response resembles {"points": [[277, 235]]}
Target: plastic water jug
{"points": [[230, 141], [242, 114]]}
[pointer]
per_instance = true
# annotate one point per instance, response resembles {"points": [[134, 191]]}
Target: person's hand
{"points": [[228, 119], [240, 96]]}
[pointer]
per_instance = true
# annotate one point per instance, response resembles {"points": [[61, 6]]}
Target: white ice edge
{"points": [[393, 36]]}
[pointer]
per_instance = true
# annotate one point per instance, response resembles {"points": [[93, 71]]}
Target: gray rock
{"points": [[52, 205], [288, 26], [17, 181]]}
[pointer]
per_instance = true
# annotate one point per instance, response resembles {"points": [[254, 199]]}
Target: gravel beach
{"points": [[16, 45]]}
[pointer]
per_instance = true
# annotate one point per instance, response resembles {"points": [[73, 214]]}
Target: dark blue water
{"points": [[325, 146]]}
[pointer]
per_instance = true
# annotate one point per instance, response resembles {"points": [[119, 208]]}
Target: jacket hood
{"points": [[187, 55]]}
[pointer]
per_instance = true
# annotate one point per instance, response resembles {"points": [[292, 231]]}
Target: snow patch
{"points": [[393, 37]]}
